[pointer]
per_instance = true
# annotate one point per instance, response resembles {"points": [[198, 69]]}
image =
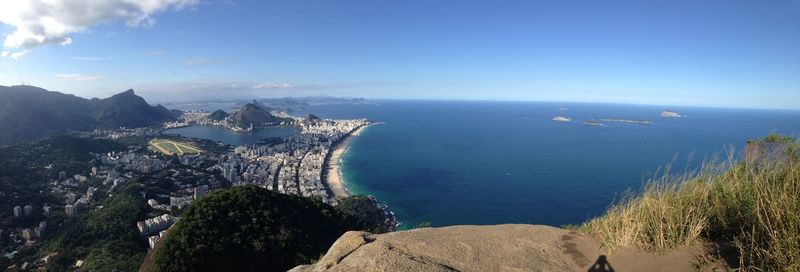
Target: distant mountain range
{"points": [[28, 112], [291, 104], [287, 102]]}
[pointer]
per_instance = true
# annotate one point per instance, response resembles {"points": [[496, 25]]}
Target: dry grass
{"points": [[750, 211]]}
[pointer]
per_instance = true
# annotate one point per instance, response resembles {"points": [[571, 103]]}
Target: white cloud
{"points": [[13, 55], [50, 22], [272, 86], [80, 77]]}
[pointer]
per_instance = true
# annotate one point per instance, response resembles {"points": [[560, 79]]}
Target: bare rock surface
{"points": [[491, 248]]}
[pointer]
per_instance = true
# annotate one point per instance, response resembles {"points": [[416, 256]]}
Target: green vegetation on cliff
{"points": [[253, 229], [363, 213], [105, 239], [749, 210]]}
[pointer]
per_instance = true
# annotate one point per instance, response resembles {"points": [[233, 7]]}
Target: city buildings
{"points": [[155, 224], [17, 211]]}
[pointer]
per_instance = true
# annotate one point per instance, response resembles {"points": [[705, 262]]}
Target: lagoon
{"points": [[221, 134]]}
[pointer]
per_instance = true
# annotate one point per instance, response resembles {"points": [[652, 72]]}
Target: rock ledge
{"points": [[488, 248]]}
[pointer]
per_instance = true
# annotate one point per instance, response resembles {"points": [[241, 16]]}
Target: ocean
{"points": [[459, 162]]}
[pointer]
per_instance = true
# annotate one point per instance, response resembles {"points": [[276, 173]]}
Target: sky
{"points": [[691, 53]]}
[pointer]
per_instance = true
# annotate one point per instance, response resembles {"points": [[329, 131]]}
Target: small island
{"points": [[562, 119], [670, 114]]}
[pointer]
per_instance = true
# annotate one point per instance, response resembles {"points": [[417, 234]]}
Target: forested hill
{"points": [[218, 115], [248, 228], [256, 115], [28, 112]]}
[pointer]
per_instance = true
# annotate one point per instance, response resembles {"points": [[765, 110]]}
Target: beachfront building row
{"points": [[294, 166]]}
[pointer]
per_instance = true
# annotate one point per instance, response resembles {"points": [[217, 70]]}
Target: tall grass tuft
{"points": [[749, 209]]}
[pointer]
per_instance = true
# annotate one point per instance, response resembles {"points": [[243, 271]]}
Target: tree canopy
{"points": [[250, 229]]}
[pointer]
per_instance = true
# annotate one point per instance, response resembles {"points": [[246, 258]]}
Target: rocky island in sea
{"points": [[670, 114], [562, 119]]}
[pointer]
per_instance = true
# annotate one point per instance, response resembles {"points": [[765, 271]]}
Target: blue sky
{"points": [[697, 53]]}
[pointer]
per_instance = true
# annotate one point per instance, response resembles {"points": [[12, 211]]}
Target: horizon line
{"points": [[746, 107]]}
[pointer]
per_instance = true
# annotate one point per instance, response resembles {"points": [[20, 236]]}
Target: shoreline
{"points": [[333, 171]]}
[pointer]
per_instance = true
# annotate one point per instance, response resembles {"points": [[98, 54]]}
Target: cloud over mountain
{"points": [[269, 85], [50, 22], [80, 77]]}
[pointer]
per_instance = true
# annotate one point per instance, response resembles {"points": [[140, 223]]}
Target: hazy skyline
{"points": [[721, 53]]}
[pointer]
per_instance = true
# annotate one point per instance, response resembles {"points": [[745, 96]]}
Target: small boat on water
{"points": [[562, 119]]}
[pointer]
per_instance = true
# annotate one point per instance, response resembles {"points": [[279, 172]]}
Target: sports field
{"points": [[170, 147]]}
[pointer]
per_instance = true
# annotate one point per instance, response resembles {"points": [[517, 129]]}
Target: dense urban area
{"points": [[86, 205]]}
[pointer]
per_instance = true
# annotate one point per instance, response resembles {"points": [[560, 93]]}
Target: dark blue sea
{"points": [[508, 162]]}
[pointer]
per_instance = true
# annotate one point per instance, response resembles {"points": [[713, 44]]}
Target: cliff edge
{"points": [[491, 248]]}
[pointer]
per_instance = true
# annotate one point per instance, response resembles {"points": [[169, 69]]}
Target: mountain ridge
{"points": [[31, 112], [218, 115], [255, 115]]}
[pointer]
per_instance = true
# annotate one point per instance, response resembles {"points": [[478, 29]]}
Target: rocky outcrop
{"points": [[670, 114], [489, 248]]}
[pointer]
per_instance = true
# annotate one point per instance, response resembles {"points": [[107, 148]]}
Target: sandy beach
{"points": [[333, 172]]}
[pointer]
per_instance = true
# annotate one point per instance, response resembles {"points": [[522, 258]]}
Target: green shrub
{"points": [[363, 213], [249, 229]]}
